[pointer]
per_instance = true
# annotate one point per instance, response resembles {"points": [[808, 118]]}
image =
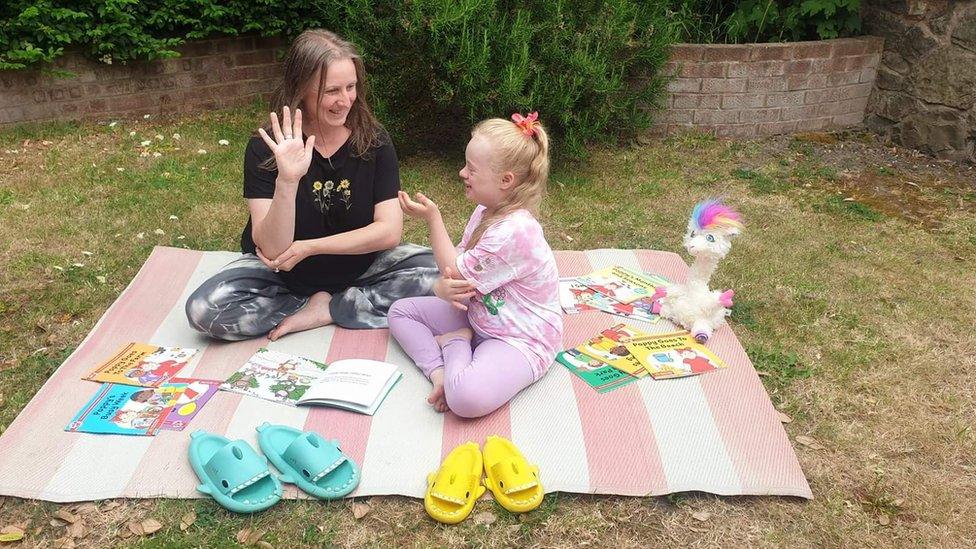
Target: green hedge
{"points": [[588, 66], [744, 21]]}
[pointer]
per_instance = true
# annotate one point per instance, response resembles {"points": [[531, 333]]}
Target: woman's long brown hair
{"points": [[314, 50]]}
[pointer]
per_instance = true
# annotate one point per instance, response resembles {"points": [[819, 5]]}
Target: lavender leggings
{"points": [[479, 376]]}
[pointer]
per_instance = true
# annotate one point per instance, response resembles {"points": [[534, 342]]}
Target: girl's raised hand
{"points": [[423, 207], [292, 156]]}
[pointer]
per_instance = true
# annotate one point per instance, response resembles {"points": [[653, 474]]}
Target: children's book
{"points": [[189, 396], [674, 354], [353, 384], [574, 296], [142, 365], [127, 410], [622, 284], [609, 346], [123, 410], [596, 373], [276, 376], [357, 385]]}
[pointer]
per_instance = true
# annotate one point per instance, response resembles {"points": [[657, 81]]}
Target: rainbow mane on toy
{"points": [[713, 215]]}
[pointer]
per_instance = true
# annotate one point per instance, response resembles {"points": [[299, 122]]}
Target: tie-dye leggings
{"points": [[246, 299]]}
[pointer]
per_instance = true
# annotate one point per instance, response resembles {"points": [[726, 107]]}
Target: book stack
{"points": [[141, 393], [622, 354], [615, 290]]}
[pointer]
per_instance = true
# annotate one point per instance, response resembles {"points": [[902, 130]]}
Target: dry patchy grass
{"points": [[855, 287]]}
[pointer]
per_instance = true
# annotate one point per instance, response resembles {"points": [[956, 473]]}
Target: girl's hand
{"points": [[291, 155], [455, 292], [299, 250], [424, 208]]}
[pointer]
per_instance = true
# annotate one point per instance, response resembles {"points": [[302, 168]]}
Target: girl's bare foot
{"points": [[463, 333], [436, 396], [315, 313]]}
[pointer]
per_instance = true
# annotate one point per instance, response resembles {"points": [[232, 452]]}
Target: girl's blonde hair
{"points": [[526, 156], [314, 50]]}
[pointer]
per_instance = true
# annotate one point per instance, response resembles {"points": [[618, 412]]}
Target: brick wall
{"points": [[748, 90], [210, 74], [733, 90]]}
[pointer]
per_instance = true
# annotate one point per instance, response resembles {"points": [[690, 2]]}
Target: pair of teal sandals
{"points": [[240, 480]]}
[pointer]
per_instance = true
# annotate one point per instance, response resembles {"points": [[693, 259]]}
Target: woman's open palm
{"points": [[292, 156]]}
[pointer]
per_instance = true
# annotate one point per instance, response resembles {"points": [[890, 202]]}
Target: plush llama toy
{"points": [[692, 305]]}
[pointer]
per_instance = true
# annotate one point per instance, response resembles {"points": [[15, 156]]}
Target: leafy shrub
{"points": [[715, 21], [589, 67]]}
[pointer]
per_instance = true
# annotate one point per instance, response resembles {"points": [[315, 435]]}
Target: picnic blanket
{"points": [[716, 432]]}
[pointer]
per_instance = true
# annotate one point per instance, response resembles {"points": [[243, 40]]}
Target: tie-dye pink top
{"points": [[514, 271]]}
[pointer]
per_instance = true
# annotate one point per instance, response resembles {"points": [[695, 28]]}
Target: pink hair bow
{"points": [[526, 123]]}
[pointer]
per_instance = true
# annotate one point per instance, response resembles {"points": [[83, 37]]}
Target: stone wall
{"points": [[210, 74], [749, 90], [926, 89]]}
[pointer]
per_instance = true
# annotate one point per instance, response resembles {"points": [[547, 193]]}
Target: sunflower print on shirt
{"points": [[328, 194]]}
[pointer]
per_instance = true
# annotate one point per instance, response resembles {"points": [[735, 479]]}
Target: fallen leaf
{"points": [[64, 515], [485, 517], [64, 543], [101, 279], [150, 526], [188, 520], [141, 235], [243, 536], [884, 520], [109, 505], [145, 143], [86, 508], [784, 418], [201, 151], [762, 373], [87, 252], [173, 217], [77, 530], [159, 232], [360, 509], [264, 545], [809, 442], [136, 528], [701, 516], [159, 137], [177, 136], [11, 536], [223, 142], [12, 529]]}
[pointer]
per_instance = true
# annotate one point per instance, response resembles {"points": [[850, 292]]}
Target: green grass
{"points": [[860, 322]]}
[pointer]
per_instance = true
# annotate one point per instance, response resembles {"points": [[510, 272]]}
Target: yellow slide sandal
{"points": [[510, 478], [452, 491]]}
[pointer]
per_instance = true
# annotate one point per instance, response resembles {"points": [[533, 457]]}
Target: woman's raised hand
{"points": [[423, 207], [292, 156]]}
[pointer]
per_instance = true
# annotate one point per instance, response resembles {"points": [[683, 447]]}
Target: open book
{"points": [[353, 384]]}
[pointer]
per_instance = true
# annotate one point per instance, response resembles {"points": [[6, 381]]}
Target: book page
{"points": [[354, 380]]}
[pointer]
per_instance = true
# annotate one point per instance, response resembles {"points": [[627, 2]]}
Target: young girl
{"points": [[495, 325]]}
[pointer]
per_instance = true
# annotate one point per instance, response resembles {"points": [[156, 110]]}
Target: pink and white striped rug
{"points": [[715, 433]]}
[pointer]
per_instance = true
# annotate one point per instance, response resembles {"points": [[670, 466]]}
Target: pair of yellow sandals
{"points": [[454, 488]]}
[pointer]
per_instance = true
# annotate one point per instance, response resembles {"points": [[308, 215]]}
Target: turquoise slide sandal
{"points": [[233, 473], [316, 465]]}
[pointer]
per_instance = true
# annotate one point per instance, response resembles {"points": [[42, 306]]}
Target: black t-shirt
{"points": [[332, 198]]}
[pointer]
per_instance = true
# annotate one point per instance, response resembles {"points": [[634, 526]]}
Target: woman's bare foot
{"points": [[436, 397], [315, 313], [463, 333]]}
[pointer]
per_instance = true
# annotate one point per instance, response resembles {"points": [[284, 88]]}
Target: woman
{"points": [[322, 241]]}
